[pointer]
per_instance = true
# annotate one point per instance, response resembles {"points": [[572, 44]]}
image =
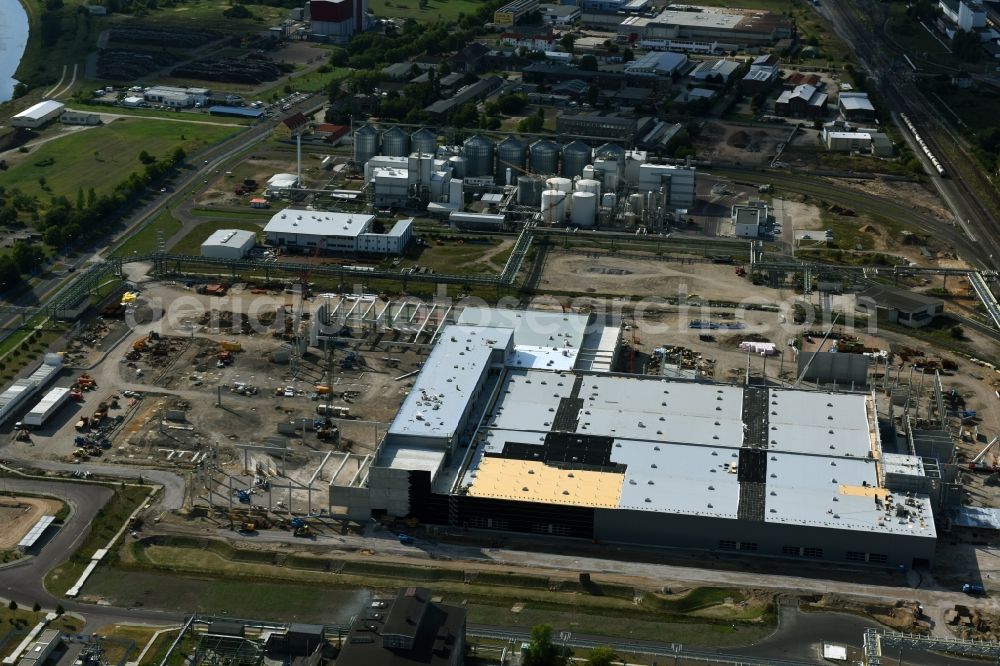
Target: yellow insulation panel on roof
{"points": [[533, 481]]}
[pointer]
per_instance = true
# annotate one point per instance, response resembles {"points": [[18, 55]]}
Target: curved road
{"points": [[24, 581]]}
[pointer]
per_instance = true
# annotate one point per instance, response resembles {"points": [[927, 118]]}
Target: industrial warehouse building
{"points": [[694, 27], [497, 436], [38, 115], [337, 20], [311, 230], [229, 244]]}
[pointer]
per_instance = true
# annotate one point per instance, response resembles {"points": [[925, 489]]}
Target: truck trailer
{"points": [[46, 407]]}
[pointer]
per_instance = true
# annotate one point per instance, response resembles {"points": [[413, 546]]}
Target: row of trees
{"points": [[65, 222]]}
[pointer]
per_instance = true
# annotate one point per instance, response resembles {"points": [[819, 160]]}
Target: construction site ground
{"points": [[19, 514]]}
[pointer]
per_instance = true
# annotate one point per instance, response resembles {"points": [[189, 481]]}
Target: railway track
{"points": [[881, 58]]}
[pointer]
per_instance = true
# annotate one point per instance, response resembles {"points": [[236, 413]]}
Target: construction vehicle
{"points": [[406, 539], [80, 441], [231, 346], [973, 589], [979, 464], [76, 395], [243, 496], [82, 423], [140, 344], [349, 361], [296, 523], [248, 527]]}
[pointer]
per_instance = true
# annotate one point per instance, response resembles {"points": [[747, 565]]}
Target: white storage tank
{"points": [[457, 164], [589, 185], [584, 209], [635, 203], [588, 171], [609, 200], [559, 184], [607, 171], [554, 206]]}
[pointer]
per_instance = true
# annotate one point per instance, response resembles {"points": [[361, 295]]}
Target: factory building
{"points": [[18, 393], [179, 98], [659, 63], [229, 244], [741, 27], [318, 231], [514, 11], [762, 76], [504, 429], [337, 21], [69, 117], [856, 107], [38, 115], [674, 181], [749, 219], [602, 125], [803, 100]]}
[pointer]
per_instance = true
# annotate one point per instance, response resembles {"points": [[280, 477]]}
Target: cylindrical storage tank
{"points": [[478, 153], [396, 142], [544, 157], [635, 202], [588, 171], [575, 156], [554, 206], [457, 164], [367, 141], [609, 200], [589, 185], [559, 184], [584, 208], [529, 191], [610, 151], [423, 141], [512, 153]]}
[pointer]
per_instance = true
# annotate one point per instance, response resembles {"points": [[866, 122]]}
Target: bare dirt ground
{"points": [[913, 194], [802, 215], [608, 274], [727, 142], [19, 514]]}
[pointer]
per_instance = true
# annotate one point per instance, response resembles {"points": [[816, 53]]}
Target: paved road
{"points": [[23, 582]]}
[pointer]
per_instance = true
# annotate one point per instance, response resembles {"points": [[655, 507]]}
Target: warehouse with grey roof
{"points": [[483, 442]]}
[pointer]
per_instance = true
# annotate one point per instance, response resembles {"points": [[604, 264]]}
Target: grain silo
{"points": [[478, 153], [512, 153], [544, 157], [367, 142], [396, 143], [423, 141], [575, 156]]}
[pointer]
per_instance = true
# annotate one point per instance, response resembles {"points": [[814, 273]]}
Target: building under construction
{"points": [[510, 425]]}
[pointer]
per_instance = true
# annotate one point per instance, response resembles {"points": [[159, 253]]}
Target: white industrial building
{"points": [[323, 231], [337, 20], [46, 407], [749, 219], [229, 244], [23, 389], [177, 97], [38, 115], [677, 183], [280, 183], [507, 428], [396, 180]]}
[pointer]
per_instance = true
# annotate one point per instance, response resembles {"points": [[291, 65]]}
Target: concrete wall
{"points": [[700, 532]]}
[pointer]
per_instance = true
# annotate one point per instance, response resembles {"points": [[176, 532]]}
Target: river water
{"points": [[13, 38]]}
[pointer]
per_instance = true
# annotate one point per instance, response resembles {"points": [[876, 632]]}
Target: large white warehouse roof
{"points": [[41, 110], [318, 223]]}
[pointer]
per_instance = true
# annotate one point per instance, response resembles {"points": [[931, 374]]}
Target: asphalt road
{"points": [[23, 581]]}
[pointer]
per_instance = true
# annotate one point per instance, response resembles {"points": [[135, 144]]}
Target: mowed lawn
{"points": [[101, 157], [436, 10]]}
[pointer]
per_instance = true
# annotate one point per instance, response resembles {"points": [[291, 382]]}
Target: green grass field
{"points": [[147, 238], [103, 156], [436, 10], [191, 243]]}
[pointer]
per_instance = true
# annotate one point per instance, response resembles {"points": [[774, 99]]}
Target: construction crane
{"points": [[826, 337]]}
